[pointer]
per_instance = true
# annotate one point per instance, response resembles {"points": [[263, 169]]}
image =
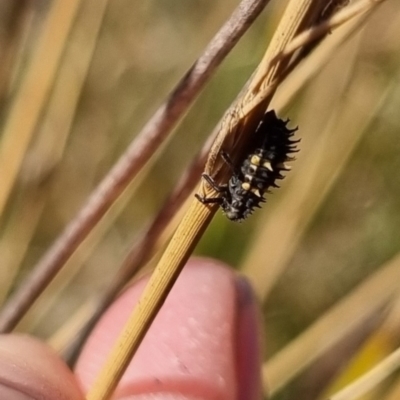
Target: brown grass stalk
{"points": [[156, 290], [335, 21]]}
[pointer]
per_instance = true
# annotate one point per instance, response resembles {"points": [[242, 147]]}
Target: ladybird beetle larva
{"points": [[257, 172]]}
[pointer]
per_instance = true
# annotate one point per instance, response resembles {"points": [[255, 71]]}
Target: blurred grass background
{"points": [[337, 215]]}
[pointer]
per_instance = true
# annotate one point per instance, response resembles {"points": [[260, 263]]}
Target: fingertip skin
{"points": [[203, 345], [192, 348], [31, 370]]}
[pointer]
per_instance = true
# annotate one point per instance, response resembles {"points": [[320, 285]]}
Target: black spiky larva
{"points": [[258, 171]]}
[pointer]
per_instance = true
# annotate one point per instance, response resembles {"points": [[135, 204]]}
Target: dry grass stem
{"points": [[315, 62], [25, 112], [344, 16], [48, 148], [137, 154], [338, 19], [371, 379], [294, 18], [157, 289]]}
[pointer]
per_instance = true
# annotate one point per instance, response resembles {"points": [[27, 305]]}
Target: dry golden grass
{"points": [[80, 79]]}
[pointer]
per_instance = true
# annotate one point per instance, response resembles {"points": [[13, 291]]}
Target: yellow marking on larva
{"points": [[256, 192], [267, 164], [246, 186], [255, 160]]}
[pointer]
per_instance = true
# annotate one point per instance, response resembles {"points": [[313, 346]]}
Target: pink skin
{"points": [[203, 345]]}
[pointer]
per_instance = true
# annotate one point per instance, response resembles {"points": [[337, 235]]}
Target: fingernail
{"points": [[245, 294], [248, 341]]}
